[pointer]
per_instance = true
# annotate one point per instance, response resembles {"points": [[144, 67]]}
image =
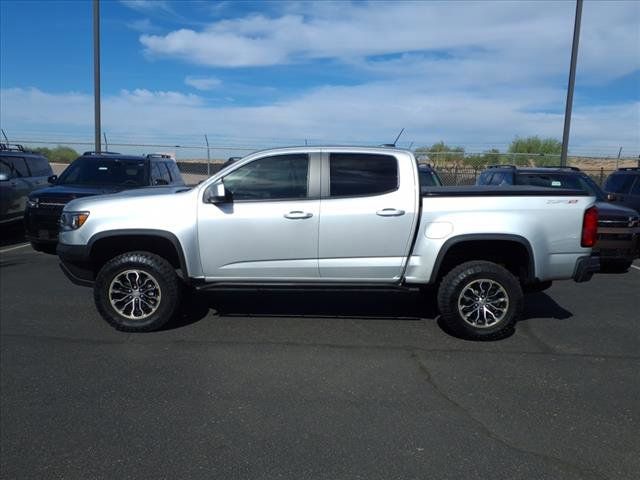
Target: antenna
{"points": [[106, 144], [5, 136], [410, 145], [398, 137], [395, 141]]}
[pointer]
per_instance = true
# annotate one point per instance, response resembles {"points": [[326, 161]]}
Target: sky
{"points": [[259, 74]]}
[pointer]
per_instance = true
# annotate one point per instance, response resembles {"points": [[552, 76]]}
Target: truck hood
{"points": [[125, 197], [69, 192], [608, 209]]}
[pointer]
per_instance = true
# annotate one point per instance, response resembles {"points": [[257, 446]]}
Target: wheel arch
{"points": [[482, 246], [105, 245]]}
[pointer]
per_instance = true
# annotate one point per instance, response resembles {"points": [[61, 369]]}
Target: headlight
{"points": [[72, 220], [32, 202]]}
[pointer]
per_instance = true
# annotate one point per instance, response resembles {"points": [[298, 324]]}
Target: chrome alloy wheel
{"points": [[134, 294], [483, 303]]}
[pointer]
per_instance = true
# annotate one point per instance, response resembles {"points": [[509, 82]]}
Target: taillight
{"points": [[590, 227]]}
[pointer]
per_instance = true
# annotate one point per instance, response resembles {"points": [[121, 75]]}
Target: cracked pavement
{"points": [[316, 385]]}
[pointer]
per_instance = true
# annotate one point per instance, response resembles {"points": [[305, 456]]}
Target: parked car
{"points": [[623, 186], [428, 176], [328, 217], [89, 175], [21, 172], [618, 226]]}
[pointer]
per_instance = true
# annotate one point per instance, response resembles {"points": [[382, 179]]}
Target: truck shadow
{"points": [[11, 234], [362, 305]]}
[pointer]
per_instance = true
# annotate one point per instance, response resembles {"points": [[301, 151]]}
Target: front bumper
{"points": [[585, 268], [41, 224], [76, 264]]}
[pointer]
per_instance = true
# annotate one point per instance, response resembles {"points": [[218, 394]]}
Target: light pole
{"points": [[96, 73], [572, 81]]}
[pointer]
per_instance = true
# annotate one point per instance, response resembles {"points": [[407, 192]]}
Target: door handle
{"points": [[390, 212], [297, 215]]}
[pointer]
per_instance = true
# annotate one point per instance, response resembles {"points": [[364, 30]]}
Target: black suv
{"points": [[428, 176], [618, 226], [623, 185], [92, 174], [21, 172]]}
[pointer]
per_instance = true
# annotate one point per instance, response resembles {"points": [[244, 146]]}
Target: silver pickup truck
{"points": [[328, 216]]}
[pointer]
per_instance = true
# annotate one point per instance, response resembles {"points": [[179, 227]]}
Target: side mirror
{"points": [[611, 197], [4, 177], [216, 193], [160, 181], [52, 179]]}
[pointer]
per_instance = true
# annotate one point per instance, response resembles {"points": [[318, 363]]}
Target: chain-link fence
{"points": [[460, 168], [197, 162]]}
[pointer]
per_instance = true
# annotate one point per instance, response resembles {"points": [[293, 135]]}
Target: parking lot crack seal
{"points": [[482, 428], [135, 340]]}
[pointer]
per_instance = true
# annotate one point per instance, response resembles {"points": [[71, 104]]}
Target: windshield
{"points": [[560, 180], [106, 172]]}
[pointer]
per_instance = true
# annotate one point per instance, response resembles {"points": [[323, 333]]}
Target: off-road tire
{"points": [[152, 264], [460, 277]]}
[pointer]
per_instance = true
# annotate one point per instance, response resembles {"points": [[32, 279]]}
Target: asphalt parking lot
{"points": [[315, 385]]}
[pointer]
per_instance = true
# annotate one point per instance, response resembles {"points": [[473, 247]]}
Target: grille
{"points": [[618, 222]]}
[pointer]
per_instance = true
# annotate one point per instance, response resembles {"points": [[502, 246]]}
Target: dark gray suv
{"points": [[623, 186], [21, 172]]}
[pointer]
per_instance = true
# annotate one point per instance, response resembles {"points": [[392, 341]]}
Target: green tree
{"points": [[440, 152], [58, 154], [541, 151]]}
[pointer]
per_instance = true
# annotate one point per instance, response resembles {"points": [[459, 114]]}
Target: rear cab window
{"points": [[362, 174]]}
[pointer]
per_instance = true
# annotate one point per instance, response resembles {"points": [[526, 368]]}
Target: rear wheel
{"points": [[137, 292], [480, 300]]}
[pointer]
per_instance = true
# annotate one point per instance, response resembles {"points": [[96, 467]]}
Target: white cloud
{"points": [[146, 6], [535, 36], [143, 25], [326, 115], [202, 83]]}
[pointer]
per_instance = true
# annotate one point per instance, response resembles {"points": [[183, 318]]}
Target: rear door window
{"points": [[362, 174], [619, 183], [15, 166], [39, 166], [174, 171], [501, 178], [160, 173]]}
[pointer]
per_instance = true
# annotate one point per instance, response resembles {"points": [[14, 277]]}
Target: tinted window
{"points": [[485, 178], [571, 182], [39, 167], [636, 187], [106, 172], [175, 172], [270, 178], [357, 174], [14, 167], [159, 174], [428, 178], [619, 183], [501, 178]]}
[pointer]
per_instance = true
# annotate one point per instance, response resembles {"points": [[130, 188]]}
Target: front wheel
{"points": [[480, 300], [137, 292]]}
